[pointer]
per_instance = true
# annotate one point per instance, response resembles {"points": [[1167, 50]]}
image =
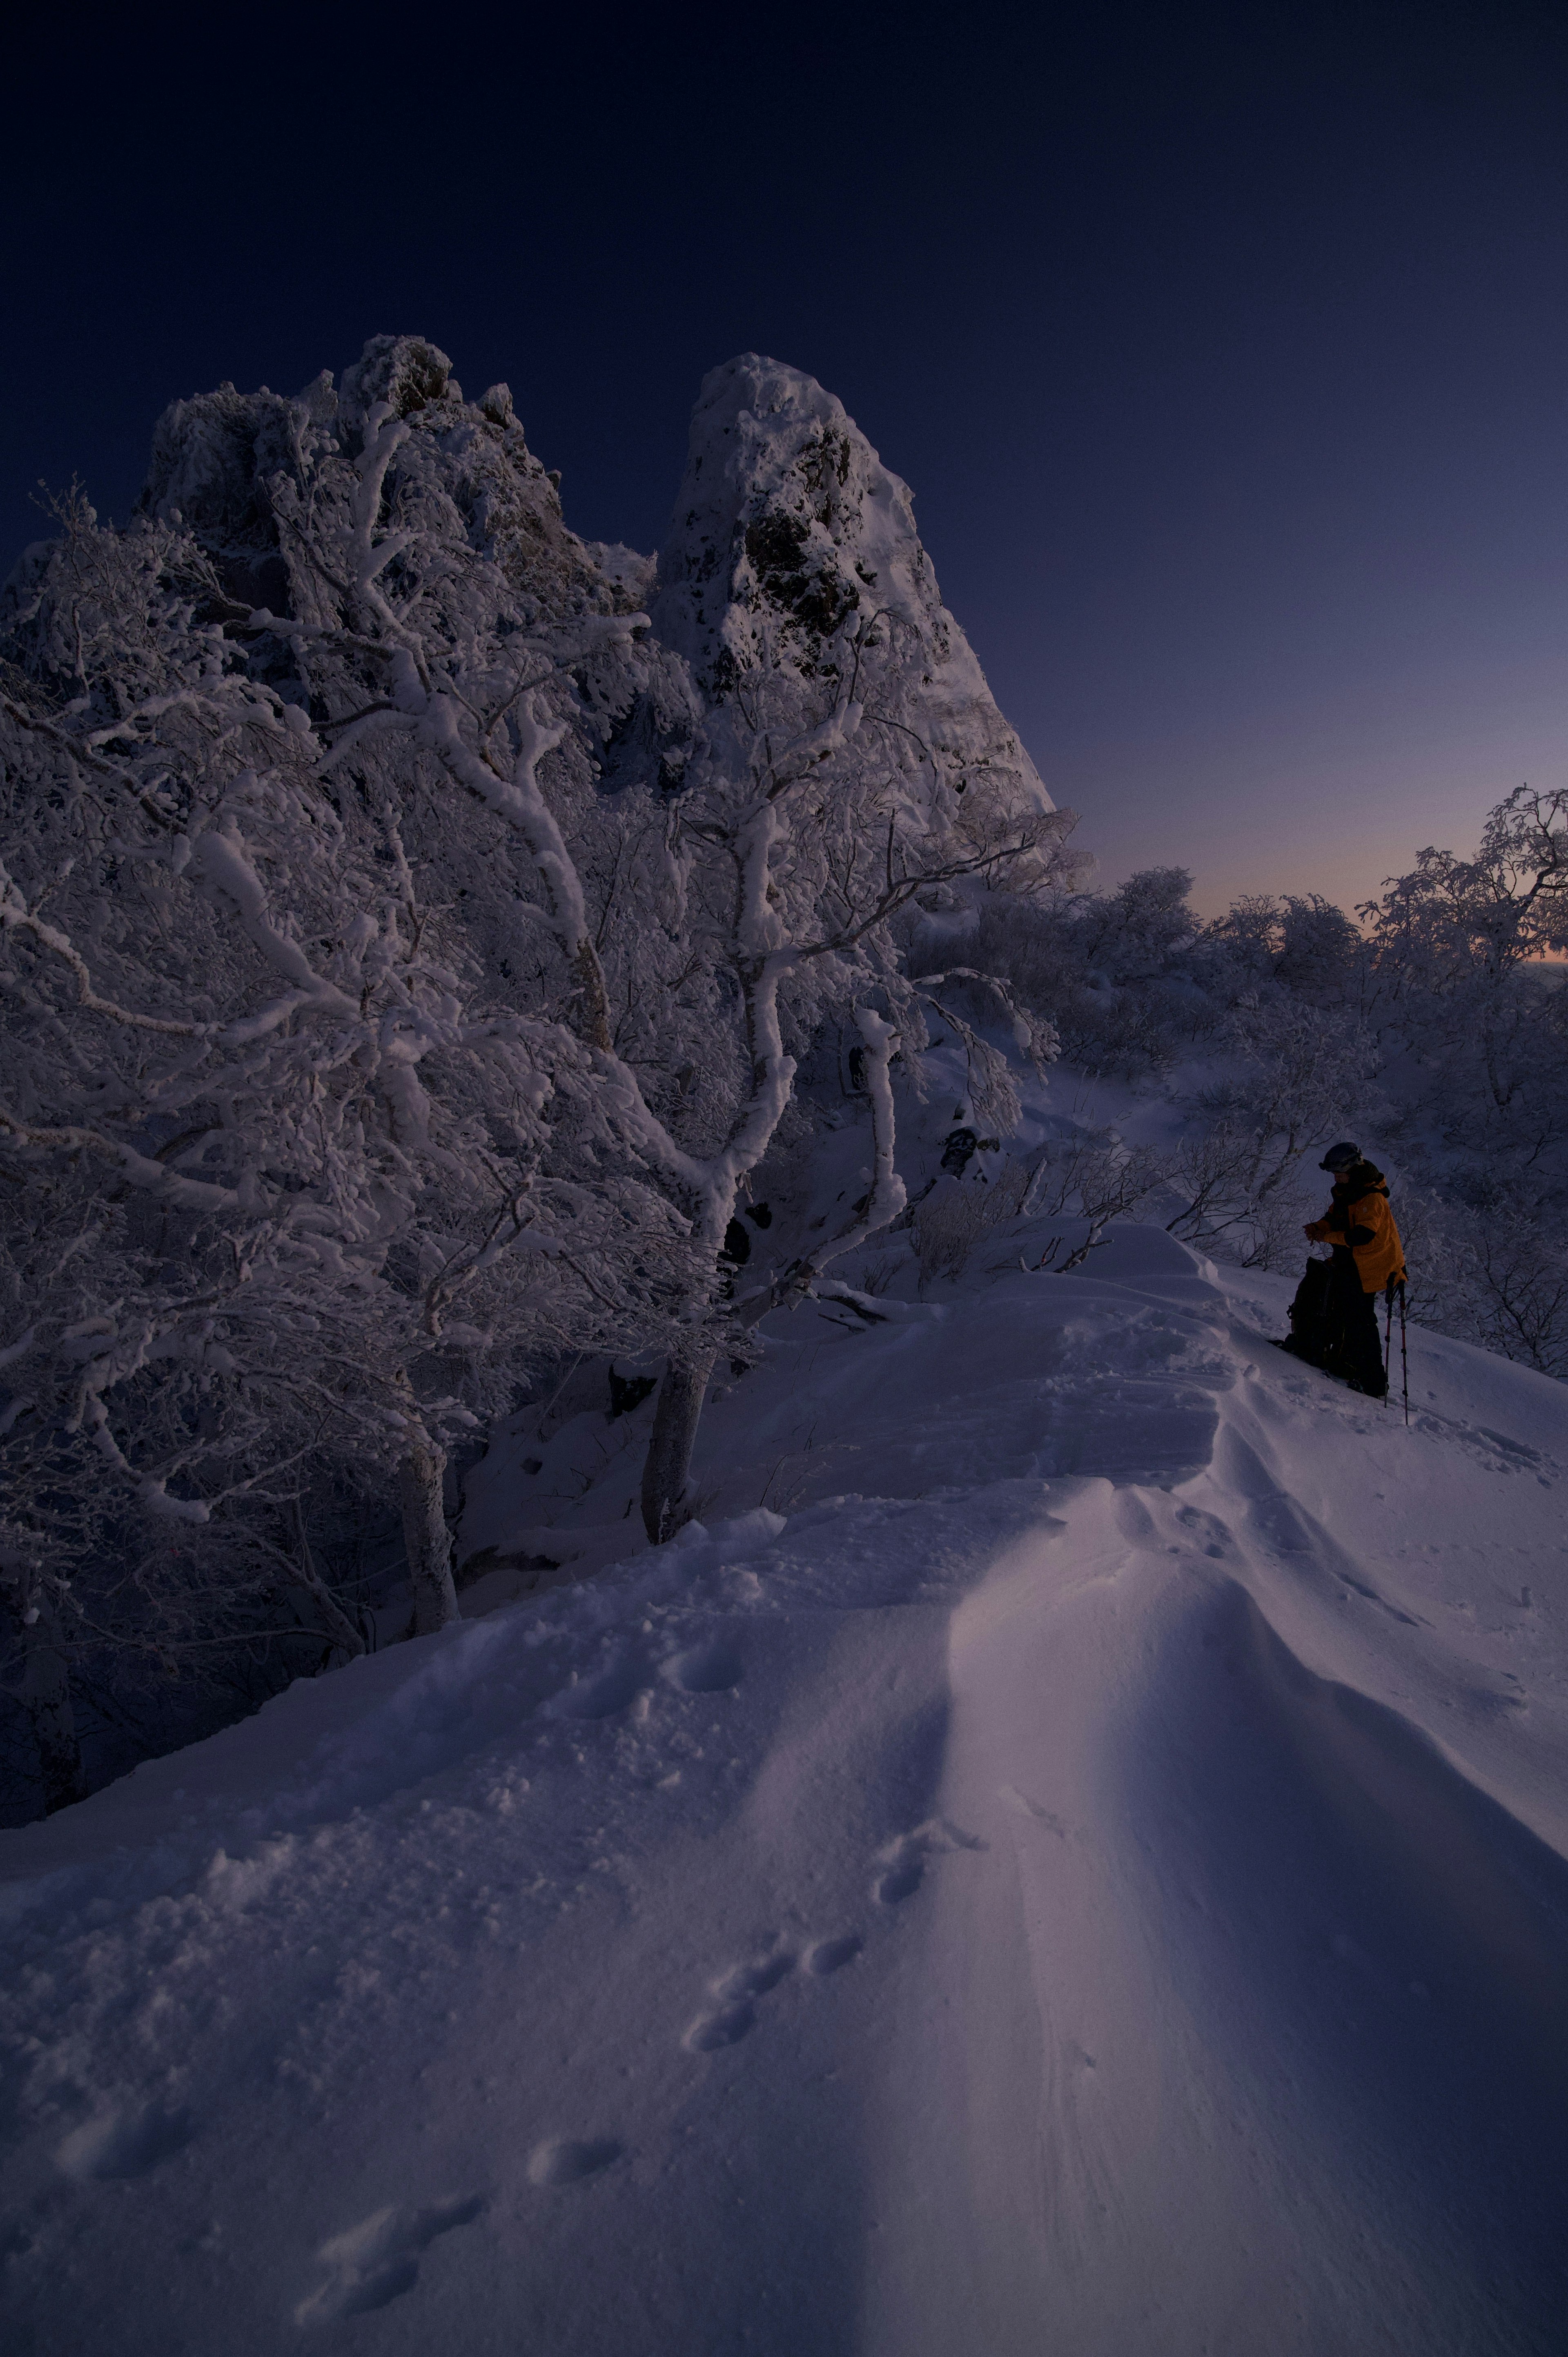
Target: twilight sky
{"points": [[1226, 350]]}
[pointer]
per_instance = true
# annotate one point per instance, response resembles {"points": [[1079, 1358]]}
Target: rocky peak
{"points": [[404, 370], [788, 528], [783, 507]]}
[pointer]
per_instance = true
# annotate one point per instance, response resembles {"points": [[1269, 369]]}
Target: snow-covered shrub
{"points": [[1035, 947], [1491, 1269], [1235, 955], [1322, 957], [1133, 1031], [1108, 971], [1093, 1176], [877, 1273], [1450, 919], [949, 1222], [1135, 932], [1089, 1176], [1303, 1076]]}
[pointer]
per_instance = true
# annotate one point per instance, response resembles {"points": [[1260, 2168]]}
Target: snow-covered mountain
{"points": [[1068, 1848]]}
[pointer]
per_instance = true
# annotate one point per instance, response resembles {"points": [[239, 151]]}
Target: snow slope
{"points": [[1088, 1875]]}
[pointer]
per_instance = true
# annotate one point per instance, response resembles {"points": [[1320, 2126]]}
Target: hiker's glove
{"points": [[1316, 1231], [1395, 1285]]}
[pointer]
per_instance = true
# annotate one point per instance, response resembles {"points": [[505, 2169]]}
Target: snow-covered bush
{"points": [[1094, 1177], [1302, 1076], [1493, 1271], [949, 1222], [1449, 920], [1322, 958], [1109, 970]]}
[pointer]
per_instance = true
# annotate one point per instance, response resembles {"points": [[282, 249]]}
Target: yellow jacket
{"points": [[1358, 1221]]}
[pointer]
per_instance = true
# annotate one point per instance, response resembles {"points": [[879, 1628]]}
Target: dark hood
{"points": [[1361, 1178]]}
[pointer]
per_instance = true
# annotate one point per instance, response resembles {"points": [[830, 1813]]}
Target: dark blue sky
{"points": [[1226, 351]]}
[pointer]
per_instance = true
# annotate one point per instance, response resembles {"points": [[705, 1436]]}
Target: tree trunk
{"points": [[46, 1695], [426, 1540], [340, 1629], [666, 1475]]}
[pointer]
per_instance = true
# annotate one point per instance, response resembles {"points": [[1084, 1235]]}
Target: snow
{"points": [[1065, 1850], [1067, 1854], [786, 509]]}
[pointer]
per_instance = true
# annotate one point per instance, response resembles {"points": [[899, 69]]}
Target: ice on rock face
{"points": [[789, 529]]}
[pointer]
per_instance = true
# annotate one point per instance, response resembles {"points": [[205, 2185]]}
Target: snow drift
{"points": [[1103, 1890]]}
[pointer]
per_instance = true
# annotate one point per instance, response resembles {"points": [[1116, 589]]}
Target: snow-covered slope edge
{"points": [[1112, 1899]]}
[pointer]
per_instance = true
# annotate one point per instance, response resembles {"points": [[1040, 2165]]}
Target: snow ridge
{"points": [[1138, 1828]]}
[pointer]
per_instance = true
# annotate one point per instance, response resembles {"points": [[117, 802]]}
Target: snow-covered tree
{"points": [[723, 807], [411, 926], [294, 1174], [1452, 920]]}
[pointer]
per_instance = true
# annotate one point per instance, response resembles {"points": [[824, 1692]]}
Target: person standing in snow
{"points": [[1334, 1317]]}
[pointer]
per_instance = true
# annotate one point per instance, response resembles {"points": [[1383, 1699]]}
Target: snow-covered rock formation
{"points": [[231, 469], [788, 527]]}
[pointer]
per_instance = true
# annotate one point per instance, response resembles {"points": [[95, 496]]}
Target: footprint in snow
{"points": [[832, 1956], [378, 2260], [904, 1860], [601, 1696], [740, 1990], [564, 2161], [124, 2144], [725, 2028], [737, 1991], [901, 1881], [756, 1980], [712, 1667]]}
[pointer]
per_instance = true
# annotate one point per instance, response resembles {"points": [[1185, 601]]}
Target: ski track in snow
{"points": [[1101, 1887]]}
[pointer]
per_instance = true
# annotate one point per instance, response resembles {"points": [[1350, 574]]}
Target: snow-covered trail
{"points": [[1102, 1892]]}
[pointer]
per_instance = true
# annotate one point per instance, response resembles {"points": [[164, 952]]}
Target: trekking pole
{"points": [[1404, 1356], [1388, 1338]]}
